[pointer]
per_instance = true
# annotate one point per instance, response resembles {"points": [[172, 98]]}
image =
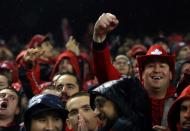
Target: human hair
{"points": [[78, 81], [16, 92], [7, 73], [78, 94], [17, 117], [152, 60]]}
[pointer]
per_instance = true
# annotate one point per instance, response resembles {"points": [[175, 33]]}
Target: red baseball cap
{"points": [[37, 40]]}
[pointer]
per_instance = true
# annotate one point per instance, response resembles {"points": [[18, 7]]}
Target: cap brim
{"points": [[39, 109]]}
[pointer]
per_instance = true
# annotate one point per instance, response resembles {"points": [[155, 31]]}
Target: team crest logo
{"points": [[156, 52]]}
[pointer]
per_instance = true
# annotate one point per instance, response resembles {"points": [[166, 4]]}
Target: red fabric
{"points": [[104, 69], [154, 52], [10, 65], [67, 129], [137, 49], [73, 60], [158, 106], [17, 86], [179, 127], [87, 75], [34, 77], [36, 40], [106, 72], [19, 58], [172, 117]]}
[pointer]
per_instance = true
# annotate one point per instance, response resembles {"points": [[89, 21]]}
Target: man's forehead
{"points": [[121, 59], [156, 60], [99, 97], [66, 76], [9, 91], [185, 102], [78, 101], [66, 80]]}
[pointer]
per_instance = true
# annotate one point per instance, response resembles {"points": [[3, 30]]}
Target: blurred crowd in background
{"points": [[43, 65]]}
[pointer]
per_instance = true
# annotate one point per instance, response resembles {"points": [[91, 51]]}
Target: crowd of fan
{"points": [[100, 85]]}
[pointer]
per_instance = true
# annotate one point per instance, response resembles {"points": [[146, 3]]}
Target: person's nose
{"points": [[157, 68], [187, 113], [82, 113], [97, 111], [6, 97], [64, 89], [49, 125]]}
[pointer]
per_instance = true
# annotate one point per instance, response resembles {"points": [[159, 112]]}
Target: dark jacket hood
{"points": [[123, 92], [130, 97]]}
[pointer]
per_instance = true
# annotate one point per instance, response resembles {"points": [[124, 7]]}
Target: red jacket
{"points": [[32, 74], [105, 71], [103, 67]]}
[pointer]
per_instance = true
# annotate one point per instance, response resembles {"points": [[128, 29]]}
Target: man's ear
{"points": [[69, 125]]}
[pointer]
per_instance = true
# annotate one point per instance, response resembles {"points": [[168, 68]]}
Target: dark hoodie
{"points": [[132, 102]]}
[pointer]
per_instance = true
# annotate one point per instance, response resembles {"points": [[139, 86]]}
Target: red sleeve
{"points": [[104, 69]]}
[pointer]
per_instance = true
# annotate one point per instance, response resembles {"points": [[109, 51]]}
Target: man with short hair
{"points": [[4, 82], [9, 109], [45, 112], [81, 117], [68, 84], [123, 64], [179, 113]]}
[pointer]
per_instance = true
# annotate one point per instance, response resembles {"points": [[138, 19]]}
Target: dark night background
{"points": [[137, 17]]}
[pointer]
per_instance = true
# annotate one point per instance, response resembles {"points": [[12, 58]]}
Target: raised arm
{"points": [[101, 54]]}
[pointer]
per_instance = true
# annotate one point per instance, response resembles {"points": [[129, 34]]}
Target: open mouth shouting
{"points": [[3, 105]]}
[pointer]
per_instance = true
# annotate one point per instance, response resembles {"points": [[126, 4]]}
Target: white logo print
{"points": [[156, 52]]}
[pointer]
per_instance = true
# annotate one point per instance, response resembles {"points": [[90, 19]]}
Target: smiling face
{"points": [[8, 104], [47, 121], [105, 110], [156, 77]]}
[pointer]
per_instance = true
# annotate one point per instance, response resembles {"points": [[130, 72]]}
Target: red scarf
{"points": [[158, 106]]}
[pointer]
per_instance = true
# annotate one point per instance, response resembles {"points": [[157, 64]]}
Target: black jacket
{"points": [[11, 128], [131, 99]]}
